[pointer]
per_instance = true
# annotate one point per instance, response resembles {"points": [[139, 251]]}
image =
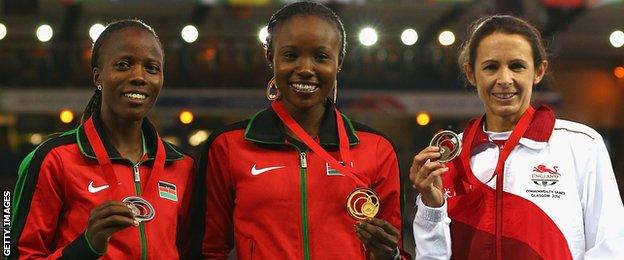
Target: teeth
{"points": [[135, 96], [504, 95], [306, 88]]}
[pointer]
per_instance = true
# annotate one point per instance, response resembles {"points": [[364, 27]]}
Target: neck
{"points": [[124, 135], [308, 118], [500, 124]]}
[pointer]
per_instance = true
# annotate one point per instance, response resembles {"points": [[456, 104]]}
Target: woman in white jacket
{"points": [[526, 185]]}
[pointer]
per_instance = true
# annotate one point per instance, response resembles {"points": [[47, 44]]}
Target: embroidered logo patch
{"points": [[333, 172], [167, 191], [544, 176]]}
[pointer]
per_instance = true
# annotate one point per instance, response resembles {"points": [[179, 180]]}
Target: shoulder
{"points": [[575, 130], [54, 143], [223, 132], [36, 157]]}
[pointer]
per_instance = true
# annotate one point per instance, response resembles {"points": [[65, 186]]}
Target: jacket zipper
{"points": [[137, 189], [303, 165]]}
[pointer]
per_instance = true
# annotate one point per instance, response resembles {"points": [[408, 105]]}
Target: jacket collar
{"points": [[266, 127], [535, 137], [149, 134]]}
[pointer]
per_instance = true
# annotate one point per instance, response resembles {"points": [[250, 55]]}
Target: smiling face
{"points": [[130, 73], [504, 74], [305, 60]]}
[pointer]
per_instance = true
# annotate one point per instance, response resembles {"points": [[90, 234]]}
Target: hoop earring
{"points": [[99, 87], [272, 92], [335, 90]]}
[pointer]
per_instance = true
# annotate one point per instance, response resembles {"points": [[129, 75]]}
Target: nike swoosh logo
{"points": [[96, 189], [255, 171]]}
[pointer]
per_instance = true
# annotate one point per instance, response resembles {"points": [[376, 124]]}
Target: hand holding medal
{"points": [[430, 163]]}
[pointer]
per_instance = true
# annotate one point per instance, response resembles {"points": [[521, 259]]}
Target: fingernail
{"points": [[136, 223]]}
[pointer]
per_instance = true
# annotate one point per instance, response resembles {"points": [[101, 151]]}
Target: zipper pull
{"points": [[135, 170], [302, 160]]}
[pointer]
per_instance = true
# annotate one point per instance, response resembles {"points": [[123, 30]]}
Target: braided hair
{"points": [[306, 8], [93, 107]]}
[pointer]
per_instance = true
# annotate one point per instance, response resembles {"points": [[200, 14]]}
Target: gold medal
{"points": [[363, 203], [449, 144]]}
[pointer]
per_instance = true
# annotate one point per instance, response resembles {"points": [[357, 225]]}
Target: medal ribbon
{"points": [[510, 144], [343, 140], [107, 167]]}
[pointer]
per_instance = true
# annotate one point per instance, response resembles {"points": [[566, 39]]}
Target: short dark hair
{"points": [[306, 8], [93, 107], [508, 24]]}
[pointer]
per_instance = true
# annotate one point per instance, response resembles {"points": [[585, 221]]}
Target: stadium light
{"points": [[66, 116], [446, 38], [189, 33], [95, 31], [617, 39], [619, 72], [3, 31], [368, 36], [36, 138], [186, 117], [44, 33], [263, 34], [423, 119], [409, 37], [198, 137]]}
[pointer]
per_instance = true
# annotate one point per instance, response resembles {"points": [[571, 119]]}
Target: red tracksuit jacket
{"points": [[61, 182], [272, 198]]}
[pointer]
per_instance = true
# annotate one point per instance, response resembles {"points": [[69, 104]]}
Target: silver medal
{"points": [[449, 144], [143, 210]]}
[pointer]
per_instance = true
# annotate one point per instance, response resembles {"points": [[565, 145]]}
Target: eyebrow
{"points": [[131, 57]]}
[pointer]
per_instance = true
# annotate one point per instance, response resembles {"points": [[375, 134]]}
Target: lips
{"points": [[304, 87], [135, 96], [504, 96]]}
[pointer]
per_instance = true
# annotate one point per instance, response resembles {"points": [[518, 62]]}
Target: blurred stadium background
{"points": [[403, 82]]}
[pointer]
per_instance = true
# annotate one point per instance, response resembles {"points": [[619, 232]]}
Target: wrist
{"points": [[95, 248], [432, 201]]}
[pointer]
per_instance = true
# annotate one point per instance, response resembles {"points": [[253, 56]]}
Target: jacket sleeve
{"points": [[387, 185], [218, 238], [38, 205], [432, 234], [603, 210]]}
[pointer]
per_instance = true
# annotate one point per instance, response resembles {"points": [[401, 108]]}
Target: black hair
{"points": [[508, 24], [306, 8], [93, 107]]}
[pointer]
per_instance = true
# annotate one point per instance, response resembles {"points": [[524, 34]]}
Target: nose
{"points": [[138, 76], [505, 78], [305, 68]]}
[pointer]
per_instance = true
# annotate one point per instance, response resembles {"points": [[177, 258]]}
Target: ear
{"points": [[470, 75], [540, 71], [96, 76]]}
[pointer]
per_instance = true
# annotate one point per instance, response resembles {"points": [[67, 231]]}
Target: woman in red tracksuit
{"points": [[68, 199], [273, 187]]}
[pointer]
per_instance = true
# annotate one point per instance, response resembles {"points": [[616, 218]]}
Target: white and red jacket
{"points": [[560, 199]]}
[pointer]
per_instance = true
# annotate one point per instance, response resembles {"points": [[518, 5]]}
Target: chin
{"points": [[506, 111]]}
